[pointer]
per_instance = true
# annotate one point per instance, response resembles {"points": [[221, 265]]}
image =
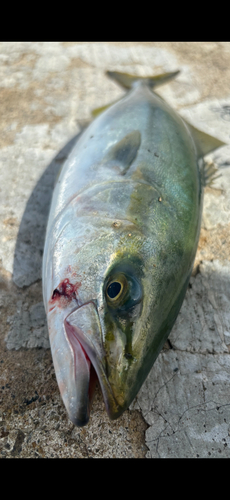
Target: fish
{"points": [[120, 244]]}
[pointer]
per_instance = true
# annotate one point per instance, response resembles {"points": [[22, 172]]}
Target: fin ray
{"points": [[209, 171]]}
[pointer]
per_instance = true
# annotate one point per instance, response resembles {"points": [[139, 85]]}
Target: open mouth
{"points": [[84, 370], [83, 330]]}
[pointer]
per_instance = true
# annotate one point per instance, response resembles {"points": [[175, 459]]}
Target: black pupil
{"points": [[113, 289]]}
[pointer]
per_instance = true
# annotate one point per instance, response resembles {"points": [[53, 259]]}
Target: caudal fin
{"points": [[127, 81]]}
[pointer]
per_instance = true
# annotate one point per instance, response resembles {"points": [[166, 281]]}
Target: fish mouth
{"points": [[80, 411], [83, 331]]}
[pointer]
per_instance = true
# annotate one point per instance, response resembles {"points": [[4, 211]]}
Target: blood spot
{"points": [[66, 290]]}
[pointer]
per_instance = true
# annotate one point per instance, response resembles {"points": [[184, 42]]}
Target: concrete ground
{"points": [[47, 92]]}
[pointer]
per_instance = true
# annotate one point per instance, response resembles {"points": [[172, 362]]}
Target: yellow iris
{"points": [[116, 289]]}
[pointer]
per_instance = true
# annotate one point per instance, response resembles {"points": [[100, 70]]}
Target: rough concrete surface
{"points": [[47, 92]]}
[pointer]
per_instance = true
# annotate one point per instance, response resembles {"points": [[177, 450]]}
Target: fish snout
{"points": [[84, 333]]}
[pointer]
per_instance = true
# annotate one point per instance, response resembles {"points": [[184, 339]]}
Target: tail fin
{"points": [[127, 80]]}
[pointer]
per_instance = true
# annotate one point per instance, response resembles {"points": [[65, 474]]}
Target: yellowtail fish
{"points": [[121, 240]]}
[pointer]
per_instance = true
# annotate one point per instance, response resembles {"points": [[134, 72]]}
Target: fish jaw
{"points": [[79, 360], [83, 327], [72, 368]]}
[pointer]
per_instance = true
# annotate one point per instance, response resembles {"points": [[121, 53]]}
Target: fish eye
{"points": [[114, 290], [123, 291]]}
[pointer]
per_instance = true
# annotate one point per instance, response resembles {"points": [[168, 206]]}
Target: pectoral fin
{"points": [[124, 152]]}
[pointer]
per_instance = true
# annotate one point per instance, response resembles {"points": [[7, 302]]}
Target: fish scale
{"points": [[120, 245]]}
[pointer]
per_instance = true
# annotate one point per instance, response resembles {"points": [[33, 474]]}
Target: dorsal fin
{"points": [[124, 152], [97, 111], [127, 81], [205, 143]]}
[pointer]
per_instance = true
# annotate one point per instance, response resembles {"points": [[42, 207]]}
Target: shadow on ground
{"points": [[27, 268]]}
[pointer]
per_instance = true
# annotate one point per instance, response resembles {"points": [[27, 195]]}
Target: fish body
{"points": [[121, 240]]}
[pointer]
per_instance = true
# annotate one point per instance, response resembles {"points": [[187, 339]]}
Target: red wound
{"points": [[65, 289]]}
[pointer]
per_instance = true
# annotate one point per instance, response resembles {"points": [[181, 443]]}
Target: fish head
{"points": [[104, 327], [112, 292]]}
